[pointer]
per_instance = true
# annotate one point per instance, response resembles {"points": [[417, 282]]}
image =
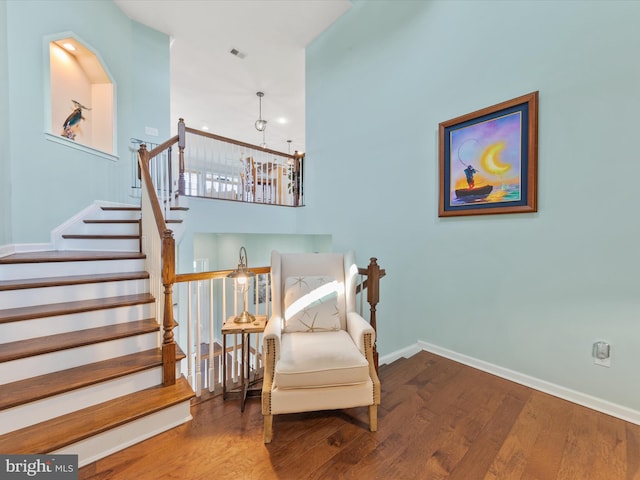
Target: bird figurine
{"points": [[73, 119]]}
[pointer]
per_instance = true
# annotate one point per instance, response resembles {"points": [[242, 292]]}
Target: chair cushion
{"points": [[311, 304], [321, 359]]}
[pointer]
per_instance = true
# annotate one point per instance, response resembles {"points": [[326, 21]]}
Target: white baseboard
{"points": [[7, 250], [25, 247], [594, 403], [406, 352]]}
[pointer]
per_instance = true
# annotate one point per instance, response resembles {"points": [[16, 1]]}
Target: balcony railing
{"points": [[210, 166], [222, 168]]}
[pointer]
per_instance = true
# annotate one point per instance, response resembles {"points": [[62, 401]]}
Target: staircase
{"points": [[80, 356]]}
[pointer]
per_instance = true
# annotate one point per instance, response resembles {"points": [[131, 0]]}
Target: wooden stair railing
{"points": [[167, 266]]}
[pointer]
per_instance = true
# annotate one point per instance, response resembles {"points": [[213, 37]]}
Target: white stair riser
{"points": [[93, 212], [40, 327], [104, 229], [100, 245], [63, 359], [20, 271], [115, 215], [104, 444], [71, 293], [46, 409]]}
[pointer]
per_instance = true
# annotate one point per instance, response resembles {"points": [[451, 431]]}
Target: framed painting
{"points": [[489, 158]]}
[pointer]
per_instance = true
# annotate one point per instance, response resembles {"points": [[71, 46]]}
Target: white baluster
{"points": [[211, 373], [189, 338], [198, 348]]}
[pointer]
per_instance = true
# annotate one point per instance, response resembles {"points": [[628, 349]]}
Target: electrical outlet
{"points": [[601, 353]]}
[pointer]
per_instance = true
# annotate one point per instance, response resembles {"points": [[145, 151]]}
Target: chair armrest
{"points": [[271, 354], [358, 327], [273, 329]]}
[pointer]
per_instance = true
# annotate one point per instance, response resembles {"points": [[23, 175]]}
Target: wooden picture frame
{"points": [[489, 159]]}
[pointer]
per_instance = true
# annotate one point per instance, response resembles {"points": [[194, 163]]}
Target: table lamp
{"points": [[241, 276]]}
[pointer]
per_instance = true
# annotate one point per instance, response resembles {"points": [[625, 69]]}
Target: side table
{"points": [[245, 329]]}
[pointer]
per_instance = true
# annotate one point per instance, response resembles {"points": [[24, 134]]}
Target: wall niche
{"points": [[82, 96]]}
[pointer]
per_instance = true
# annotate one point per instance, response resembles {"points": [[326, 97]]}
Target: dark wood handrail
{"points": [[163, 146], [144, 157], [168, 266], [194, 277], [242, 144]]}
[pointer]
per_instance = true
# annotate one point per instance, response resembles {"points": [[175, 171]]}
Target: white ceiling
{"points": [[213, 88]]}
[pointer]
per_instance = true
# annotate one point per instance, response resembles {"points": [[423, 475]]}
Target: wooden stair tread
{"points": [[67, 429], [48, 385], [102, 237], [122, 209], [111, 221], [54, 309], [68, 256], [70, 280], [52, 343]]}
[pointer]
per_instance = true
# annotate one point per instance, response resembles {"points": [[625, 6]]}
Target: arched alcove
{"points": [[81, 94]]}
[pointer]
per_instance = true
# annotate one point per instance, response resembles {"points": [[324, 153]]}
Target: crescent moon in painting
{"points": [[490, 160]]}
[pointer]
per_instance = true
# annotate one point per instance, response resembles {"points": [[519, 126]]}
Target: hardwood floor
{"points": [[438, 420]]}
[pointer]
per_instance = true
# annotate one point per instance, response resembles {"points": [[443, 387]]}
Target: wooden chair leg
{"points": [[373, 418], [268, 428]]}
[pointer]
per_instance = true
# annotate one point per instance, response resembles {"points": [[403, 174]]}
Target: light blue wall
{"points": [[207, 216], [527, 292], [221, 250], [151, 84], [51, 182], [5, 139]]}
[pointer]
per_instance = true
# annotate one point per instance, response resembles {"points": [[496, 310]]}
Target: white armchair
{"points": [[318, 351]]}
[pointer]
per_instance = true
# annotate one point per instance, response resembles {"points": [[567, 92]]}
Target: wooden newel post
{"points": [[143, 154], [181, 145], [373, 297], [297, 180], [168, 341]]}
